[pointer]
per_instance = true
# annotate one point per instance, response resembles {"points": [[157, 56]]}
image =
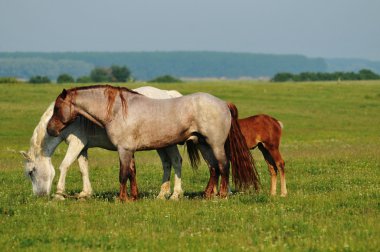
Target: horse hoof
{"points": [[176, 196], [58, 197], [284, 194], [84, 195]]}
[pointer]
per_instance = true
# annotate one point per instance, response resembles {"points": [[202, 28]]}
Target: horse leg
{"points": [[271, 167], [176, 161], [132, 179], [207, 153], [224, 169], [75, 147], [125, 158], [280, 164], [83, 166], [166, 165]]}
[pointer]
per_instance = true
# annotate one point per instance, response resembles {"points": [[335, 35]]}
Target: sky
{"points": [[323, 28]]}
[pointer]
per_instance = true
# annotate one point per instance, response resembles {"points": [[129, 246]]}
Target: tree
{"points": [[65, 78], [100, 74], [39, 79], [120, 74], [366, 74]]}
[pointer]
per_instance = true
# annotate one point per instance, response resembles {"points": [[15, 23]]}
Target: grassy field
{"points": [[331, 146]]}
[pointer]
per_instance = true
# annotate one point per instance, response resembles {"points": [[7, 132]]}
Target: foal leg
{"points": [[176, 161], [75, 147], [280, 164], [166, 165], [125, 158], [83, 166], [271, 167]]}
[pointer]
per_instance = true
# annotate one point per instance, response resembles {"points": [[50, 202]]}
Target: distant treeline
{"points": [[149, 65], [363, 74]]}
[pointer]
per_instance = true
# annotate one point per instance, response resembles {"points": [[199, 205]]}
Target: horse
{"points": [[131, 121], [80, 138], [264, 132]]}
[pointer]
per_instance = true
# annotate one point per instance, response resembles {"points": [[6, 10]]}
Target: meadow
{"points": [[330, 143]]}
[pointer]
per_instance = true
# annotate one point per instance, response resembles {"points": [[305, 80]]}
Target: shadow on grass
{"points": [[112, 196]]}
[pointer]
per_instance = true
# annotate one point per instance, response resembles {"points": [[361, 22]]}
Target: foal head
{"points": [[64, 113]]}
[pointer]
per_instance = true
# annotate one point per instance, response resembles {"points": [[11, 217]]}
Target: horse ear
{"points": [[63, 94], [25, 155]]}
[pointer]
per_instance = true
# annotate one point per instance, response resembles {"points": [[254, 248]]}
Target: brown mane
{"points": [[110, 91]]}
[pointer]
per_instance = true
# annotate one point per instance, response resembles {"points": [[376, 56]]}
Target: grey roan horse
{"points": [[134, 122]]}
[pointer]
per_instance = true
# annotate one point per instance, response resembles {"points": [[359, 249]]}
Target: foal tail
{"points": [[244, 173]]}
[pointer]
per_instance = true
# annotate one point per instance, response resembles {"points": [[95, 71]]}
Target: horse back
{"points": [[261, 128]]}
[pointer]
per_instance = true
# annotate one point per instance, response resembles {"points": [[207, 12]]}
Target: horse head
{"points": [[64, 113], [40, 171]]}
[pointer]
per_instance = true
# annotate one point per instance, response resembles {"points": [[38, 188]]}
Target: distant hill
{"points": [[148, 65]]}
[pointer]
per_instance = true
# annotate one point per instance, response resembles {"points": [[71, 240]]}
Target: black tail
{"points": [[193, 153]]}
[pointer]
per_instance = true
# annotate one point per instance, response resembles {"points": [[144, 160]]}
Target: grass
{"points": [[331, 145]]}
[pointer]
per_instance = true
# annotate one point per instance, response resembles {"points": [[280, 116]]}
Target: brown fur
{"points": [[244, 172], [264, 132]]}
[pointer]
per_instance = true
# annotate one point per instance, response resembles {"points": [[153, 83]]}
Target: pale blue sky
{"points": [[323, 28]]}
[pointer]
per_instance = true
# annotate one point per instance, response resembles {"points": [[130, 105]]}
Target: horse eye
{"points": [[31, 172]]}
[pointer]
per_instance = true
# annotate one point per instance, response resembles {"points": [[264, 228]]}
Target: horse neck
{"points": [[41, 144], [99, 103]]}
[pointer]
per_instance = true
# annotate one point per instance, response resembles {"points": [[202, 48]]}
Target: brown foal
{"points": [[264, 132]]}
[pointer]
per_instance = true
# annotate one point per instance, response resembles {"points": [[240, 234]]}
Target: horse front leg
{"points": [[176, 161], [75, 147], [83, 166], [132, 180], [126, 159], [166, 166]]}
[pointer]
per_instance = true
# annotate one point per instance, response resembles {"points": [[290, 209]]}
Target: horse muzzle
{"points": [[53, 130]]}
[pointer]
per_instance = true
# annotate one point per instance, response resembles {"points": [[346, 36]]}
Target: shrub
{"points": [[165, 79], [84, 79], [39, 79], [9, 80], [65, 78]]}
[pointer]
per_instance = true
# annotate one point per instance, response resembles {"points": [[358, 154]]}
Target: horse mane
{"points": [[111, 92], [40, 132]]}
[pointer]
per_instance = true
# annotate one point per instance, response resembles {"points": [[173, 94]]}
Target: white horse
{"points": [[80, 138]]}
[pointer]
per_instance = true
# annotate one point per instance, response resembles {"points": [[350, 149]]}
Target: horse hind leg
{"points": [[281, 166], [166, 165], [207, 154], [224, 170], [271, 167], [83, 166]]}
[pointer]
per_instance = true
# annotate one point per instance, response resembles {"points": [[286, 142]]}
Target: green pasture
{"points": [[331, 146]]}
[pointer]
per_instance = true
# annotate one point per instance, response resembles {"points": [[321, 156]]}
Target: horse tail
{"points": [[193, 153], [244, 173]]}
